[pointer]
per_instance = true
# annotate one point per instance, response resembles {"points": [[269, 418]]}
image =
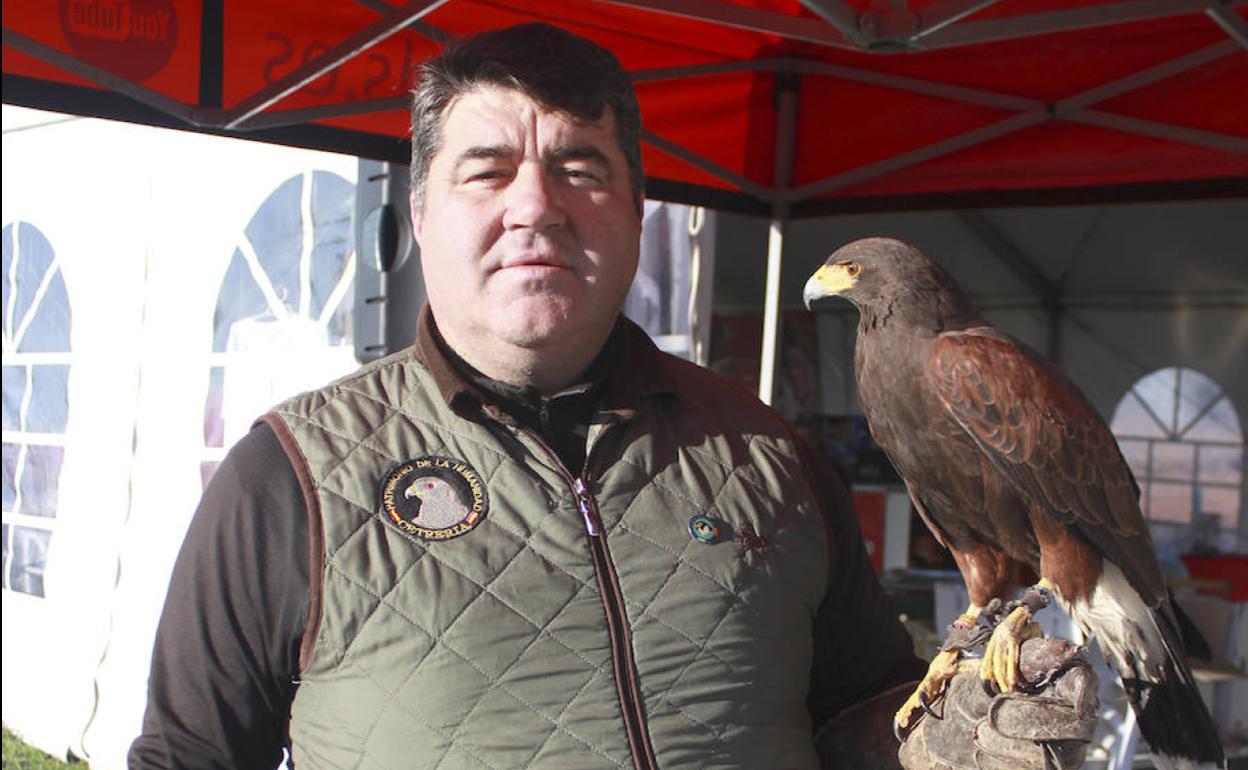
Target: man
{"points": [[531, 540]]}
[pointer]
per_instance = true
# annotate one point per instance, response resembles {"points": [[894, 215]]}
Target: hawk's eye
{"points": [[852, 269]]}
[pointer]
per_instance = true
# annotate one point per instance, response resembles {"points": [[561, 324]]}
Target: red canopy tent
{"points": [[826, 105], [773, 107]]}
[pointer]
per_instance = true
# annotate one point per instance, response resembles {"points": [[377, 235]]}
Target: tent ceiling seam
{"points": [[1144, 77], [1167, 131], [703, 70], [1007, 251], [1012, 256], [918, 155], [916, 85], [798, 65], [339, 110], [1071, 108], [744, 184], [944, 13], [1049, 22], [841, 16], [100, 77], [944, 25], [750, 19], [419, 26], [1231, 23]]}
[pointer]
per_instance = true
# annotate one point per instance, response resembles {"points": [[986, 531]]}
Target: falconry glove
{"points": [[1046, 725]]}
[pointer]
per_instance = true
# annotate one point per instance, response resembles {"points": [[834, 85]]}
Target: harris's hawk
{"points": [[1013, 470]]}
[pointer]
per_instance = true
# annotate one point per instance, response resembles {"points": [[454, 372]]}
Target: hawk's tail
{"points": [[1145, 646], [1173, 720]]}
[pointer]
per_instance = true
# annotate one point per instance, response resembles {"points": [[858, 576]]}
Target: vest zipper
{"points": [[625, 667], [593, 524], [622, 662]]}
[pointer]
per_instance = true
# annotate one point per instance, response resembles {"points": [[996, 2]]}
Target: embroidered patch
{"points": [[433, 498], [751, 540]]}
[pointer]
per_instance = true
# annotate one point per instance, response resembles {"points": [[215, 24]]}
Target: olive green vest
{"points": [[493, 648]]}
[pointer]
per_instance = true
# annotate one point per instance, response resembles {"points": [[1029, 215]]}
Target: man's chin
{"points": [[540, 320], [538, 337], [538, 324]]}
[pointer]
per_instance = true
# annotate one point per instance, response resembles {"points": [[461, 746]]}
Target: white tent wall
{"points": [[143, 262], [1135, 287], [50, 643], [150, 230]]}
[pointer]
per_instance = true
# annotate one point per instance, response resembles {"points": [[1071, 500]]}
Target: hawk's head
{"points": [[888, 277]]}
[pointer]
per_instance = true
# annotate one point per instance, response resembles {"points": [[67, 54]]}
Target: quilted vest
{"points": [[580, 621]]}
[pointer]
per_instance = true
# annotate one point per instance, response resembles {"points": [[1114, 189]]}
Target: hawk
{"points": [[440, 506], [1013, 470]]}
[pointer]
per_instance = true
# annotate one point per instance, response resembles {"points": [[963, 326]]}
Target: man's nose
{"points": [[533, 200]]}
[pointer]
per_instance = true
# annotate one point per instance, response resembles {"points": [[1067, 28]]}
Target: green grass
{"points": [[19, 756]]}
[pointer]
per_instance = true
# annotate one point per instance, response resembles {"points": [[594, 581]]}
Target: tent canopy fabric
{"points": [[817, 107]]}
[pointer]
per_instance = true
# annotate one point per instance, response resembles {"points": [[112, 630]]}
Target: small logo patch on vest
{"points": [[704, 529], [433, 498]]}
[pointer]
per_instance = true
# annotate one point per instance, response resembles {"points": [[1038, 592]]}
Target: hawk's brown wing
{"points": [[1040, 432]]}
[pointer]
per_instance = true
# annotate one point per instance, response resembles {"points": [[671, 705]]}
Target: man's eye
{"points": [[582, 174], [482, 171]]}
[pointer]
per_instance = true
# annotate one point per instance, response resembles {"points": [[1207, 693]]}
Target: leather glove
{"points": [[1046, 725]]}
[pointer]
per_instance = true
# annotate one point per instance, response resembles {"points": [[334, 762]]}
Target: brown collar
{"points": [[639, 371]]}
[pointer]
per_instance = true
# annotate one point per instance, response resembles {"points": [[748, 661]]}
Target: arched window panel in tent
{"points": [[282, 322], [1179, 432], [36, 339]]}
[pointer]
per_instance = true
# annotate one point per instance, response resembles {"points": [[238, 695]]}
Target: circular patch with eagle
{"points": [[433, 498]]}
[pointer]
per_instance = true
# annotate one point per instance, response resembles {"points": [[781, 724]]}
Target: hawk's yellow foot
{"points": [[999, 668], [939, 672]]}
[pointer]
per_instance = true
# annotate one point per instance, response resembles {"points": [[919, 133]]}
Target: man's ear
{"points": [[415, 213]]}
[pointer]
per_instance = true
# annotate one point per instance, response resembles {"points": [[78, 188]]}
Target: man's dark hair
{"points": [[555, 68]]}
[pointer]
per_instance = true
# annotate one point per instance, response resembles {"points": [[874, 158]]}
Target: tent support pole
{"points": [[771, 303], [786, 139]]}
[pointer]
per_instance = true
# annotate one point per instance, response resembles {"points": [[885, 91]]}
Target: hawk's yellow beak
{"points": [[827, 281]]}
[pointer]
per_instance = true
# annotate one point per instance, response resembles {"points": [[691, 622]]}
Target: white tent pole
{"points": [[786, 140], [771, 304]]}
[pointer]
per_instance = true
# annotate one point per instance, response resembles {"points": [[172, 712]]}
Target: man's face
{"points": [[528, 230]]}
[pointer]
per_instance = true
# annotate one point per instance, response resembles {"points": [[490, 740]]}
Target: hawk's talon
{"points": [[990, 689], [923, 701], [942, 669]]}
